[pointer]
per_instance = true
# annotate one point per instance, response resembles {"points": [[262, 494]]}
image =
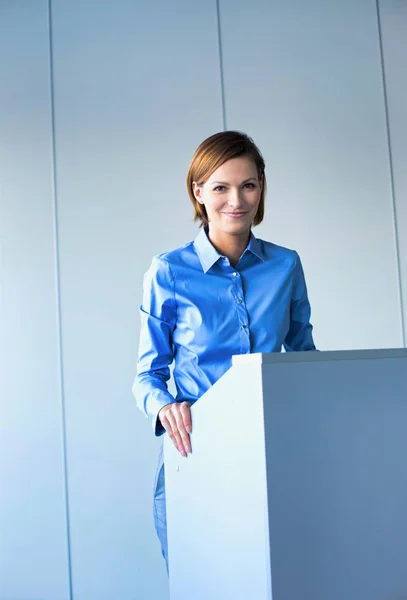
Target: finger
{"points": [[186, 416], [174, 432], [182, 431], [172, 419], [168, 422], [185, 410]]}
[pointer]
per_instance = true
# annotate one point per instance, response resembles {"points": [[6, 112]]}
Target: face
{"points": [[231, 197]]}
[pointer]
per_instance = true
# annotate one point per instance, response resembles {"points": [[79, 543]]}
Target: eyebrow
{"points": [[226, 183]]}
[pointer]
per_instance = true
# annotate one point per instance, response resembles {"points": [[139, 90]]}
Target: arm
{"points": [[158, 321], [299, 336]]}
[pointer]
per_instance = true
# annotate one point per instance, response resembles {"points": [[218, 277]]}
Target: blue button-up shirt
{"points": [[198, 311]]}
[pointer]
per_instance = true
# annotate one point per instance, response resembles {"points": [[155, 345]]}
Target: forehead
{"points": [[239, 168]]}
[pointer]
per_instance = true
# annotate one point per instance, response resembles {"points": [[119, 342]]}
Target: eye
{"points": [[219, 188], [249, 185]]}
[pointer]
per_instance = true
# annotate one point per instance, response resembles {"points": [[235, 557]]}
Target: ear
{"points": [[197, 192]]}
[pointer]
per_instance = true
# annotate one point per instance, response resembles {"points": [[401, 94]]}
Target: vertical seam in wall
{"points": [[393, 192], [220, 52], [58, 302]]}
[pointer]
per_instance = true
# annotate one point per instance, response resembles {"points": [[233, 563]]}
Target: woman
{"points": [[224, 293]]}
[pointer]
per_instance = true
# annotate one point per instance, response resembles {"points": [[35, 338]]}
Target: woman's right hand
{"points": [[177, 422]]}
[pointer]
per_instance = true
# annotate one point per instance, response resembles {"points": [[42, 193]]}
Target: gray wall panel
{"points": [[33, 542], [304, 79], [137, 86], [393, 18]]}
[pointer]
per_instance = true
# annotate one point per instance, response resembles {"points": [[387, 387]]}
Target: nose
{"points": [[234, 198]]}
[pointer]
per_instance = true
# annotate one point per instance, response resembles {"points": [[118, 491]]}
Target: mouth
{"points": [[235, 215]]}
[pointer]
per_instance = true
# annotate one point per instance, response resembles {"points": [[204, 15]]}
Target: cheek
{"points": [[254, 200], [213, 206]]}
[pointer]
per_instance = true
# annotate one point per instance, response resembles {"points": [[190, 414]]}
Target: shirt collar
{"points": [[255, 247], [208, 255]]}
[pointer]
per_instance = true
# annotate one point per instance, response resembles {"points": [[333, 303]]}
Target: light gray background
{"points": [[102, 104]]}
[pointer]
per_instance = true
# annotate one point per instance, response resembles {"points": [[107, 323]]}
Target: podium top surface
{"points": [[318, 356]]}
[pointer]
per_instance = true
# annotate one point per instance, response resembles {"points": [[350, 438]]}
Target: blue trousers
{"points": [[160, 515]]}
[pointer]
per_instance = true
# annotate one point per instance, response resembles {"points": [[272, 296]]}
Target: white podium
{"points": [[297, 485]]}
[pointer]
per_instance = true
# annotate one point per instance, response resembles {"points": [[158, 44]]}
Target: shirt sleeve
{"points": [[299, 336], [158, 319]]}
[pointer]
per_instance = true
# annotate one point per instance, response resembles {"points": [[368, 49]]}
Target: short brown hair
{"points": [[211, 154]]}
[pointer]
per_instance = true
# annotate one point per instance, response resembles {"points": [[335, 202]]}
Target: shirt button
{"points": [[239, 301], [234, 274], [244, 326]]}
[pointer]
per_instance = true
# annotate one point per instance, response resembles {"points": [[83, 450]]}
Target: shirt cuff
{"points": [[155, 403]]}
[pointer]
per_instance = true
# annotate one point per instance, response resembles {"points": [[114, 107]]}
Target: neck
{"points": [[231, 246]]}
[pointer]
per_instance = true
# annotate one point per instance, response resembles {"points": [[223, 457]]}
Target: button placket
{"points": [[241, 312]]}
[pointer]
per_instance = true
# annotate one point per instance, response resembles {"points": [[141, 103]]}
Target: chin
{"points": [[237, 228]]}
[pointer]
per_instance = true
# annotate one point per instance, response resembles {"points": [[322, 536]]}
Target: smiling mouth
{"points": [[235, 215]]}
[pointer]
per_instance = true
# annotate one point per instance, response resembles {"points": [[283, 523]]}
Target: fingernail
{"points": [[187, 448]]}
